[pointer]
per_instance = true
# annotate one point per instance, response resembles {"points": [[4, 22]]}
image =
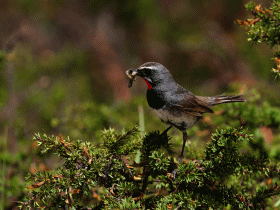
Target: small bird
{"points": [[173, 104]]}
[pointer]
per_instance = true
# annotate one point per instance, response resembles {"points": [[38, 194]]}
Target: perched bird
{"points": [[173, 104]]}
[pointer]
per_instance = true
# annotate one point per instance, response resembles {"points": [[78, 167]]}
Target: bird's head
{"points": [[153, 74]]}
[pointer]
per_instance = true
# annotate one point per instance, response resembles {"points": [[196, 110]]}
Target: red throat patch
{"points": [[149, 85]]}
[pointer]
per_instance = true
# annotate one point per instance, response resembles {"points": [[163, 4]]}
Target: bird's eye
{"points": [[147, 72]]}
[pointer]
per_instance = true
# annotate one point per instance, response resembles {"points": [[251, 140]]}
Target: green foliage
{"points": [[223, 156], [107, 177], [264, 27], [253, 115]]}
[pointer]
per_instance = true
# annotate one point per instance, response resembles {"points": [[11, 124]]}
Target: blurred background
{"points": [[63, 68]]}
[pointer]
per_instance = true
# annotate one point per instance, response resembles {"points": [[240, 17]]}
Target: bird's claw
{"points": [[173, 175]]}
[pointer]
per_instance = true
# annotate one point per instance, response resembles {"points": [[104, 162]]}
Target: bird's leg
{"points": [[166, 130], [164, 134], [185, 137]]}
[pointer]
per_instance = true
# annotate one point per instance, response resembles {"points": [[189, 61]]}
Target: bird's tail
{"points": [[225, 99]]}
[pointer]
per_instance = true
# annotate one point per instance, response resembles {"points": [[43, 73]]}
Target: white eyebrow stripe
{"points": [[146, 67]]}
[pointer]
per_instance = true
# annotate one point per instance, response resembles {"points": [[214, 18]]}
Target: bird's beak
{"points": [[131, 74]]}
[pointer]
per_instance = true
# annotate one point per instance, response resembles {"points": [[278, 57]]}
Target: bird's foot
{"points": [[173, 175]]}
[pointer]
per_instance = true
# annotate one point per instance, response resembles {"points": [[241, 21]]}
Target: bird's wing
{"points": [[191, 104]]}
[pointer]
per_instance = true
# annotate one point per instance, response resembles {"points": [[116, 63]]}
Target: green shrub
{"points": [[107, 177]]}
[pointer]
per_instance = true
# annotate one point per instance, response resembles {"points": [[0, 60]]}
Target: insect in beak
{"points": [[131, 76]]}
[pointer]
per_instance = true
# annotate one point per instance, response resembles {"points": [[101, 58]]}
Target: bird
{"points": [[173, 104]]}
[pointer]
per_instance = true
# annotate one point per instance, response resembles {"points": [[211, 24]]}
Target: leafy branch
{"points": [[108, 177], [263, 26]]}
